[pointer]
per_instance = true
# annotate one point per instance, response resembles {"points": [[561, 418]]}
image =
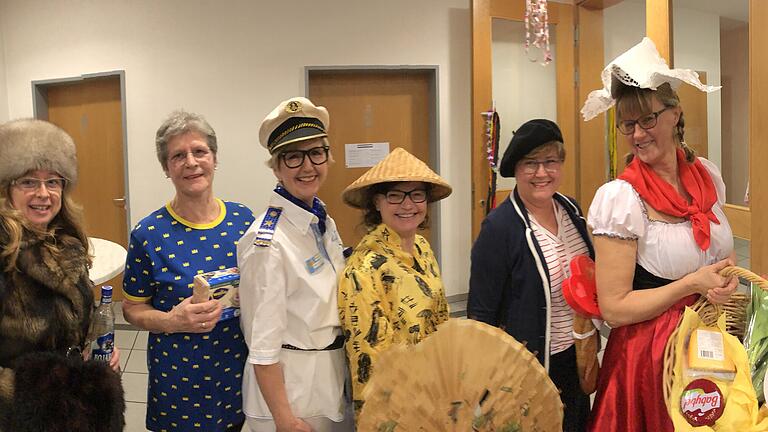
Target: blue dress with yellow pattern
{"points": [[194, 379]]}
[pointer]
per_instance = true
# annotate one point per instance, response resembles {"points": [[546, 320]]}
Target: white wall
{"points": [[623, 27], [233, 62], [3, 86], [697, 47]]}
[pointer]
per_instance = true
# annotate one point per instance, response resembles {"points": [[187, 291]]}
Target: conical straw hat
{"points": [[398, 166]]}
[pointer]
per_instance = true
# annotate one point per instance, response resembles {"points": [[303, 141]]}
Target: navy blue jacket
{"points": [[509, 281]]}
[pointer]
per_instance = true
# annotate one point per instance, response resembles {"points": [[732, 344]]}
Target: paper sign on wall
{"points": [[364, 155]]}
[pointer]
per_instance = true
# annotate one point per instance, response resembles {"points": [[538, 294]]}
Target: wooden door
{"points": [[391, 106], [91, 112]]}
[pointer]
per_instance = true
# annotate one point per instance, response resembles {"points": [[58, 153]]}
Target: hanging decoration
{"points": [[537, 29], [492, 131]]}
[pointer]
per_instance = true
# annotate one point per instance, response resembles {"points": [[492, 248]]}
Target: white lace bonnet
{"points": [[640, 66]]}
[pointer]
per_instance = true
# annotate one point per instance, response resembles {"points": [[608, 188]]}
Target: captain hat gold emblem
{"points": [[293, 106]]}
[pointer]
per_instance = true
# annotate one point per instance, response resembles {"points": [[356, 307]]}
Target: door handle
{"points": [[119, 202]]}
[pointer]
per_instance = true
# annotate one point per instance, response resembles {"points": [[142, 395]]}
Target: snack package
{"points": [[221, 285], [704, 401], [756, 339]]}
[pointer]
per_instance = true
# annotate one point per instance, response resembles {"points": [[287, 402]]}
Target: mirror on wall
{"points": [[523, 88], [712, 38]]}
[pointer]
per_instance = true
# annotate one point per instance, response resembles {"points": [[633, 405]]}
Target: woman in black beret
{"points": [[521, 257]]}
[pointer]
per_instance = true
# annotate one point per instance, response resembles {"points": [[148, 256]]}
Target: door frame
{"points": [[433, 72], [40, 110]]}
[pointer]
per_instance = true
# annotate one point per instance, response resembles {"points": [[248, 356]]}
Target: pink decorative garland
{"points": [[537, 22]]}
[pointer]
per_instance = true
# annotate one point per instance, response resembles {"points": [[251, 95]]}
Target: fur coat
{"points": [[46, 305]]}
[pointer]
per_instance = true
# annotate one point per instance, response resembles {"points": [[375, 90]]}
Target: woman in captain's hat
{"points": [[391, 290], [289, 262]]}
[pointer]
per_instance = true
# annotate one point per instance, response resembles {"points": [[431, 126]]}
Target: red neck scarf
{"points": [[665, 199]]}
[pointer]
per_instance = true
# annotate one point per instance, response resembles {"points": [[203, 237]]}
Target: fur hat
{"points": [[526, 138], [29, 144], [398, 166], [294, 120]]}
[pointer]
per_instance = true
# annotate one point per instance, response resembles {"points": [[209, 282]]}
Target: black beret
{"points": [[526, 139]]}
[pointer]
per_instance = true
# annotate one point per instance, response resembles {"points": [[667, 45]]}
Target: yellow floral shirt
{"points": [[387, 296]]}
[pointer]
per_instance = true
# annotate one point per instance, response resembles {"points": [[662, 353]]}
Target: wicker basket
{"points": [[735, 321]]}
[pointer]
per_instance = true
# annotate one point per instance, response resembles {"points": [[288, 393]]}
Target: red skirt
{"points": [[630, 395]]}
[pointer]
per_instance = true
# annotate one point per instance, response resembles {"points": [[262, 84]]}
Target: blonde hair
{"points": [[633, 100]]}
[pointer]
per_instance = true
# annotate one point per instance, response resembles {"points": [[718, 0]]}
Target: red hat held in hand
{"points": [[580, 289]]}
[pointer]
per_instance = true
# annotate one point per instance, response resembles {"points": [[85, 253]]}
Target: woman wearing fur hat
{"points": [[46, 298], [521, 256], [660, 234], [195, 352], [391, 290], [289, 263]]}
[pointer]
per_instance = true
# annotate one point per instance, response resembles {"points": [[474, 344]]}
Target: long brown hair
{"points": [[69, 221], [633, 100]]}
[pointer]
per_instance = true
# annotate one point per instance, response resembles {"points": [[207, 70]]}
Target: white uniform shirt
{"points": [[288, 289]]}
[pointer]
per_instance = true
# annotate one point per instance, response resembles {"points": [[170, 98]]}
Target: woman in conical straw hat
{"points": [[390, 291], [660, 237]]}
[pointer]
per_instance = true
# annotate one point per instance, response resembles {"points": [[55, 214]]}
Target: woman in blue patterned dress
{"points": [[195, 356]]}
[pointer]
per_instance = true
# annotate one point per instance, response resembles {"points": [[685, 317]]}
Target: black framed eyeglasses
{"points": [[627, 127], [530, 166], [31, 184], [396, 196], [295, 158]]}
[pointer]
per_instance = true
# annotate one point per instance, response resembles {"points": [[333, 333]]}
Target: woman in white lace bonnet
{"points": [[660, 237]]}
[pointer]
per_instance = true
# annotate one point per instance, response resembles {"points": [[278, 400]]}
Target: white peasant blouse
{"points": [[665, 249]]}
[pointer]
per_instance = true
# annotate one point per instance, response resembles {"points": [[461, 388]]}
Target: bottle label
{"points": [[103, 347]]}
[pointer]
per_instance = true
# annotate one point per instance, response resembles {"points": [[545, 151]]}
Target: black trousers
{"points": [[563, 372]]}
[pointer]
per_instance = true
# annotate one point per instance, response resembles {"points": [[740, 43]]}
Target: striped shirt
{"points": [[558, 250]]}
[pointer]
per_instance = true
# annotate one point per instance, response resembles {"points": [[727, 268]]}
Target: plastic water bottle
{"points": [[104, 327]]}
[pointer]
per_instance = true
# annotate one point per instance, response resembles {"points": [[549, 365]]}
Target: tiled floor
{"points": [[741, 247], [133, 362]]}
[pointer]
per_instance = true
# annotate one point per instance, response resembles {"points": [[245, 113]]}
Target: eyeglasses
{"points": [[627, 127], [178, 159], [395, 196], [295, 158], [31, 184], [550, 165]]}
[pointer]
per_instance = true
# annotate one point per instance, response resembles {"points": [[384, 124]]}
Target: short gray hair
{"points": [[178, 123]]}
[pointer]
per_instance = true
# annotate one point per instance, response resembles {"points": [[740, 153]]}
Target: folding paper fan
{"points": [[467, 376]]}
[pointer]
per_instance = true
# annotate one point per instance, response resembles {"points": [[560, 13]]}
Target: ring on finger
{"points": [[202, 325]]}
